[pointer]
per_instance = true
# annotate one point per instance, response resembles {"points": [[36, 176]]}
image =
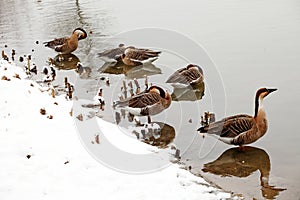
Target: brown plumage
{"points": [[129, 55], [151, 102], [135, 57], [190, 75], [66, 45], [242, 129]]}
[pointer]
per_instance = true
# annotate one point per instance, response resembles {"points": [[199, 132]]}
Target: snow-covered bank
{"points": [[42, 156]]}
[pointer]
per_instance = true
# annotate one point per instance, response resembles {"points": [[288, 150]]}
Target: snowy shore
{"points": [[42, 156]]}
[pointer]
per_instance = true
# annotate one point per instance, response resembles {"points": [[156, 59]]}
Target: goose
{"points": [[242, 129], [131, 56], [135, 57], [66, 45], [150, 102], [190, 75]]}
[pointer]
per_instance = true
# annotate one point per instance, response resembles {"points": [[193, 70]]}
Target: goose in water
{"points": [[135, 57], [242, 129], [67, 45], [129, 55], [150, 102], [188, 76]]}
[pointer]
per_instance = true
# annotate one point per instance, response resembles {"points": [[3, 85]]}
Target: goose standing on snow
{"points": [[242, 129], [66, 45]]}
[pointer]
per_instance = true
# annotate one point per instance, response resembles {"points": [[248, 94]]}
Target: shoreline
{"points": [[43, 158]]}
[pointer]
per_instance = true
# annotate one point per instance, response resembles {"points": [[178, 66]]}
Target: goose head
{"points": [[263, 92], [191, 66], [260, 95], [158, 90], [163, 93], [80, 33]]}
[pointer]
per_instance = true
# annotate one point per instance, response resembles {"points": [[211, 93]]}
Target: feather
{"points": [[112, 54], [56, 42], [187, 75], [140, 54], [230, 126]]}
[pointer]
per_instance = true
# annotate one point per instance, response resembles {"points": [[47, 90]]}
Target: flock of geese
{"points": [[235, 130]]}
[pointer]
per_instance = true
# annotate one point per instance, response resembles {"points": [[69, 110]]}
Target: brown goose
{"points": [[135, 57], [66, 45], [188, 76], [242, 129], [151, 102], [129, 55]]}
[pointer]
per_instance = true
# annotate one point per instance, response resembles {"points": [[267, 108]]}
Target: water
{"points": [[252, 43]]}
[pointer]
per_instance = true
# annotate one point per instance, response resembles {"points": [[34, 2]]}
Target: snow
{"points": [[43, 158]]}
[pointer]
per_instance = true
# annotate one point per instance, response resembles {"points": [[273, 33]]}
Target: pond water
{"points": [[252, 44]]}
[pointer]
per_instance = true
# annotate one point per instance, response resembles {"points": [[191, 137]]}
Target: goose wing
{"points": [[57, 42], [135, 54], [143, 100], [230, 126], [184, 76], [140, 101], [112, 53]]}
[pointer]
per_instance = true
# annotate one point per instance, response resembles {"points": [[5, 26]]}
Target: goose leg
{"points": [[149, 119]]}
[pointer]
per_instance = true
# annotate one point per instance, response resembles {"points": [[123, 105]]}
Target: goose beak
{"points": [[271, 90]]}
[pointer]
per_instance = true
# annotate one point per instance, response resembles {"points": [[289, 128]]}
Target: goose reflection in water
{"points": [[65, 61], [188, 93], [242, 163], [130, 71], [156, 134]]}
